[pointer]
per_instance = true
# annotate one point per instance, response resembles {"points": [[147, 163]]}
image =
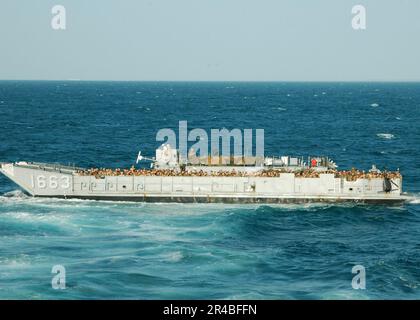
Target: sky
{"points": [[210, 40]]}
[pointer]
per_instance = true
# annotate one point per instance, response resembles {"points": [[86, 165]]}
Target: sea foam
{"points": [[386, 135]]}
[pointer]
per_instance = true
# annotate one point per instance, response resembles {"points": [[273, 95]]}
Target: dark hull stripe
{"points": [[228, 200]]}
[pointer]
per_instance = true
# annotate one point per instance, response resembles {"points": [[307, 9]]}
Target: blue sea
{"points": [[114, 250]]}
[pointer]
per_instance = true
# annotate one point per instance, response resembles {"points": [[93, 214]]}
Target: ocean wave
{"points": [[414, 198], [19, 197], [386, 135], [50, 217], [16, 261], [16, 194], [175, 256]]}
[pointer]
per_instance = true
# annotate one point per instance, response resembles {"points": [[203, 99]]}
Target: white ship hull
{"points": [[46, 180]]}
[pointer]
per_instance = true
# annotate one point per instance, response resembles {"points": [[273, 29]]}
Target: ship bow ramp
{"points": [[40, 179]]}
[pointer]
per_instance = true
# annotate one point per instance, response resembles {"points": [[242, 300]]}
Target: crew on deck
{"points": [[349, 175]]}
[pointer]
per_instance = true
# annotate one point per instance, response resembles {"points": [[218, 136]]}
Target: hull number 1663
{"points": [[51, 182]]}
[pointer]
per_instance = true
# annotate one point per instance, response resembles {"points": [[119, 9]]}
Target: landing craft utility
{"points": [[258, 180]]}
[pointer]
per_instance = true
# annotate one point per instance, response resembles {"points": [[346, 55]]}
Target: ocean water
{"points": [[198, 251]]}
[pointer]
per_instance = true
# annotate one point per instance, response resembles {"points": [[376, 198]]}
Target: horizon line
{"points": [[221, 81]]}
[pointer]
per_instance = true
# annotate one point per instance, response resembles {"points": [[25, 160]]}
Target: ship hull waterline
{"points": [[226, 199]]}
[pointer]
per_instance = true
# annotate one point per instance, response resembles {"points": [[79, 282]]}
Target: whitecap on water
{"points": [[18, 197], [174, 256], [374, 105], [190, 209], [52, 217], [16, 194], [311, 206], [414, 198], [386, 135], [14, 262]]}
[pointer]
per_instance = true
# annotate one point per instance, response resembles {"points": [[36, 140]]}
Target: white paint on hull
{"points": [[59, 181]]}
